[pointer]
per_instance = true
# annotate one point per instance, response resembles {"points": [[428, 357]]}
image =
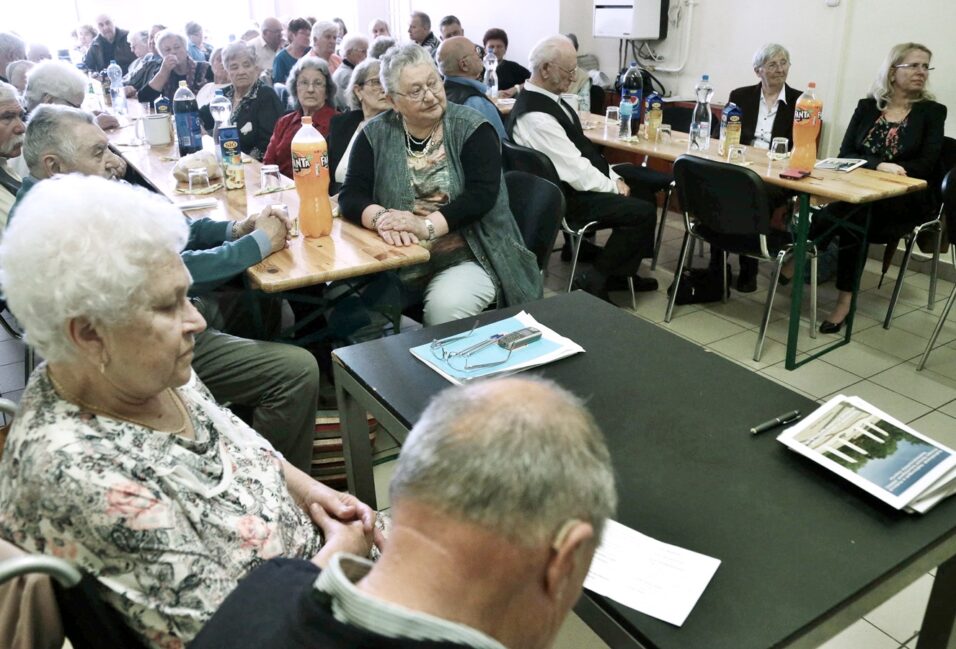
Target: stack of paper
{"points": [[447, 356], [876, 452]]}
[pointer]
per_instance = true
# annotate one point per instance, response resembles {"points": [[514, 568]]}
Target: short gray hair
{"points": [[8, 93], [169, 33], [351, 42], [142, 36], [14, 68], [309, 62], [323, 26], [95, 264], [237, 49], [12, 46], [767, 52], [379, 46], [398, 58], [192, 27], [55, 80], [547, 51], [364, 70], [49, 131], [423, 19], [518, 456]]}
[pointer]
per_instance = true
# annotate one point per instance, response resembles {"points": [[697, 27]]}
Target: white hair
{"points": [[547, 51], [397, 59], [309, 62], [56, 80], [95, 264], [51, 130], [237, 49], [375, 22], [12, 47], [379, 46], [362, 71], [169, 33], [8, 93], [323, 26], [353, 41], [20, 67], [517, 456], [768, 52]]}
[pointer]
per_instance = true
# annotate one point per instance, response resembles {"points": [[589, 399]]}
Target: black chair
{"points": [[947, 211], [522, 158], [947, 162], [538, 208], [727, 205]]}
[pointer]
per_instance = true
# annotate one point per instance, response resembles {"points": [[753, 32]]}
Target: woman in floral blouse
{"points": [[119, 459]]}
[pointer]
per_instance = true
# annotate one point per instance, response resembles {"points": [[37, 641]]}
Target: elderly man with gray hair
{"points": [[279, 383], [354, 50], [12, 129], [498, 504], [58, 82], [12, 48], [461, 65], [420, 31]]}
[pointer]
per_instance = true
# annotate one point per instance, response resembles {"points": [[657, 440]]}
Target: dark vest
{"points": [[459, 92], [530, 102]]}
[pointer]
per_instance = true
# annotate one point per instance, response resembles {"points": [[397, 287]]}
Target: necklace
{"points": [[184, 416], [426, 142]]}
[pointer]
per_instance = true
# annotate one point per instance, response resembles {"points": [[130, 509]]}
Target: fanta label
{"points": [[324, 159], [302, 163]]}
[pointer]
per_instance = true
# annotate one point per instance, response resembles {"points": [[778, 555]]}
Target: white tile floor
{"points": [[878, 365]]}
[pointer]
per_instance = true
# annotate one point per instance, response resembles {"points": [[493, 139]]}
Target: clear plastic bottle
{"points": [[626, 117], [632, 90], [117, 90], [310, 170], [653, 114], [807, 116], [491, 74], [699, 136], [188, 126], [221, 110]]}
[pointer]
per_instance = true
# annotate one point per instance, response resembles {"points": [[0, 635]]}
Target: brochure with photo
{"points": [[871, 449], [840, 164]]}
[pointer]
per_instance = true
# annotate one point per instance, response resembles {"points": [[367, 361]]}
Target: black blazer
{"points": [[748, 99], [920, 146], [341, 129]]}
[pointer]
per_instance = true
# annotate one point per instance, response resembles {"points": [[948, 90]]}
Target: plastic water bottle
{"points": [[117, 91], [491, 74], [632, 91], [700, 121], [221, 110], [188, 126], [626, 117]]}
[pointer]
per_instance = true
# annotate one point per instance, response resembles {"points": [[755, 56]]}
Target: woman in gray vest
{"points": [[429, 173]]}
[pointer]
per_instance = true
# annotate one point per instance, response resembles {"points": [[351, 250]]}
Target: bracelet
{"points": [[235, 230], [377, 216], [430, 227]]}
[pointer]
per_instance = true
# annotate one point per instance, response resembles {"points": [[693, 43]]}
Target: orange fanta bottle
{"points": [[310, 168], [807, 116]]}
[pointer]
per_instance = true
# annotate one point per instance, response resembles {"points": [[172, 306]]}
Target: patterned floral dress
{"points": [[168, 525]]}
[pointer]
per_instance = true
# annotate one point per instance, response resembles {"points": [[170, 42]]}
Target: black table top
{"points": [[795, 541]]}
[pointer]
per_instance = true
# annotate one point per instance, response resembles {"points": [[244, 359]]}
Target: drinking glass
{"points": [[198, 179], [737, 154], [779, 148], [613, 114], [269, 177], [663, 134]]}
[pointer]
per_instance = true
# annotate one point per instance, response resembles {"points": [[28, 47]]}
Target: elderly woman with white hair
{"points": [[366, 99], [255, 106], [311, 92], [54, 82], [325, 35], [119, 459], [429, 171], [174, 66]]}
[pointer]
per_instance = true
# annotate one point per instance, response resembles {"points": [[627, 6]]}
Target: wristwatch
{"points": [[430, 227]]}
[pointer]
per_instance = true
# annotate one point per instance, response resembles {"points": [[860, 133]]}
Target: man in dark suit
{"points": [[767, 109]]}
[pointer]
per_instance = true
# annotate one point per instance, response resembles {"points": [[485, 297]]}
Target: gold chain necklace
{"points": [[109, 413]]}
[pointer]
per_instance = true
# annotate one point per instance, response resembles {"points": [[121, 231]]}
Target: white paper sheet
{"points": [[658, 579]]}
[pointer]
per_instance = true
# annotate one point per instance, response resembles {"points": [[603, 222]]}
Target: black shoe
{"points": [[589, 251], [598, 290], [783, 280], [828, 327], [641, 284], [747, 283]]}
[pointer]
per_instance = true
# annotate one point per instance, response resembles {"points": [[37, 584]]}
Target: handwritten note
{"points": [[658, 579]]}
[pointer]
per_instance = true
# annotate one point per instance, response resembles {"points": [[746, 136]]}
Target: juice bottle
{"points": [[730, 126], [653, 114], [310, 168], [807, 118]]}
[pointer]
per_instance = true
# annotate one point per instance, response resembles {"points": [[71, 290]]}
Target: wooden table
{"points": [[858, 187], [350, 251]]}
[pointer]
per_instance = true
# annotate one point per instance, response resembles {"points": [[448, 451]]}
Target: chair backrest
{"points": [[679, 116], [725, 198], [538, 207], [521, 158], [948, 195]]}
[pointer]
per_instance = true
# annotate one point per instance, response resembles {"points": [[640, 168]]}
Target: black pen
{"points": [[782, 420]]}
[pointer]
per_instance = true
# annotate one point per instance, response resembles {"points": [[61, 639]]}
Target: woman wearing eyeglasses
{"points": [[311, 92], [897, 129], [430, 171]]}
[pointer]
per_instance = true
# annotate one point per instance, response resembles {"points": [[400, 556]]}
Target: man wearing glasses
{"points": [[12, 129], [461, 65], [615, 198], [268, 45]]}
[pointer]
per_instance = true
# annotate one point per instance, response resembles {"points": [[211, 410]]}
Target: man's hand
{"points": [[106, 121], [276, 230], [170, 61], [891, 168], [339, 536], [622, 187]]}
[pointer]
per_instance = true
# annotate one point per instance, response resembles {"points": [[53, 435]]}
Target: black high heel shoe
{"points": [[827, 327]]}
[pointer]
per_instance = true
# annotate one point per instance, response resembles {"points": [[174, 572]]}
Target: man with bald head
{"points": [[12, 129], [615, 198], [498, 504], [12, 48], [462, 68], [111, 43], [267, 44]]}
